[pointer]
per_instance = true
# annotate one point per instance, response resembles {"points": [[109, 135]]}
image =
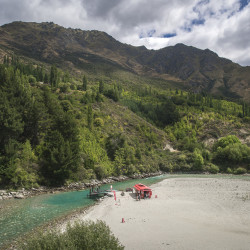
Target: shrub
{"points": [[166, 167], [32, 79], [65, 88], [240, 171], [198, 161], [213, 169], [99, 122], [85, 235], [73, 87], [233, 153], [226, 141], [229, 171], [100, 172], [66, 105]]}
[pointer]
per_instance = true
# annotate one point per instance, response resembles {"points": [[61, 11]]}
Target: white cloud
{"points": [[220, 25]]}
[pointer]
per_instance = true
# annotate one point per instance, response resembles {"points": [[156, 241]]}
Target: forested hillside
{"points": [[100, 54], [58, 128]]}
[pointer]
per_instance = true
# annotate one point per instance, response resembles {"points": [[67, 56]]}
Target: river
{"points": [[18, 217]]}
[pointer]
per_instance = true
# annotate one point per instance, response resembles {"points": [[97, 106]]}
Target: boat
{"points": [[142, 191]]}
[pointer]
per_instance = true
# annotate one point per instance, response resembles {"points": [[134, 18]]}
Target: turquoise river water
{"points": [[21, 216], [18, 217]]}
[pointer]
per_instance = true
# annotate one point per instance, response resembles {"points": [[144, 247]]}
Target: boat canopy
{"points": [[141, 187]]}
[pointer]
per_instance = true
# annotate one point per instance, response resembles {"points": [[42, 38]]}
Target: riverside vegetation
{"points": [[58, 128], [84, 235]]}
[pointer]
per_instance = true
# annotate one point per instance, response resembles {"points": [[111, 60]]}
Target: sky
{"points": [[222, 26]]}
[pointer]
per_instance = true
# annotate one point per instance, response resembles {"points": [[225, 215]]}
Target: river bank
{"points": [[188, 213], [77, 186], [18, 217]]}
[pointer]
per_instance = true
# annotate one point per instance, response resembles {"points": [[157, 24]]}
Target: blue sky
{"points": [[222, 26]]}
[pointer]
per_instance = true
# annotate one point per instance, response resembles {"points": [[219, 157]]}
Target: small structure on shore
{"points": [[95, 192], [142, 191]]}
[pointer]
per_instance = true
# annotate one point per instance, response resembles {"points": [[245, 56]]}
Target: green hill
{"points": [[77, 105]]}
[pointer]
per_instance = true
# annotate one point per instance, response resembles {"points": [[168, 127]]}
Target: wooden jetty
{"points": [[97, 193]]}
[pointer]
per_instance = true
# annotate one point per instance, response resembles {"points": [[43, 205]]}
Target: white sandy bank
{"points": [[188, 213]]}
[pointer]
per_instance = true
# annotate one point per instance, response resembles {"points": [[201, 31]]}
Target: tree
{"points": [[59, 159], [233, 153], [11, 122], [198, 161], [101, 87], [113, 93], [46, 78], [119, 161], [8, 157], [167, 113], [90, 117], [24, 173], [66, 77], [225, 141], [113, 143], [54, 77], [84, 83]]}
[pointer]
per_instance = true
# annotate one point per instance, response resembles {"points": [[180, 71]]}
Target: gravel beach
{"points": [[188, 213]]}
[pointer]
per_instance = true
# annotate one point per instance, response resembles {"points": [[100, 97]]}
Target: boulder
{"points": [[19, 196], [3, 192]]}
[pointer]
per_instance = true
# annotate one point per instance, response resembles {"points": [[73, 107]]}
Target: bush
{"points": [[66, 105], [32, 79], [213, 169], [198, 161], [65, 88], [233, 153], [99, 122], [85, 235], [166, 167], [100, 172], [240, 171], [226, 141], [229, 171]]}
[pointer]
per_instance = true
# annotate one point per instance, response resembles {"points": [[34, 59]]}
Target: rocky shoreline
{"points": [[23, 193]]}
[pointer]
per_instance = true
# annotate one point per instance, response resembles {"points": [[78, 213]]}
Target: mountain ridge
{"points": [[198, 70]]}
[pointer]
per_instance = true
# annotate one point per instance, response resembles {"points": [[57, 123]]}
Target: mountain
{"points": [[94, 51], [77, 105]]}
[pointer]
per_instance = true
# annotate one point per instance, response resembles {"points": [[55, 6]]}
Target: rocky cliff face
{"points": [[200, 70]]}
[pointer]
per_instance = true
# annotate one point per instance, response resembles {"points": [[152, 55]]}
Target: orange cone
{"points": [[123, 221]]}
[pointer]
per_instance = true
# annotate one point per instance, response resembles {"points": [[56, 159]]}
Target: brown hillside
{"points": [[200, 70]]}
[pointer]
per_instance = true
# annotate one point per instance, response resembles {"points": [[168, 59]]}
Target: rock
{"points": [[19, 196], [3, 192], [6, 197]]}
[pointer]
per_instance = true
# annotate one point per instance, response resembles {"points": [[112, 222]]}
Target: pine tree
{"points": [[84, 83], [101, 87], [46, 78], [5, 59], [54, 76], [90, 117], [57, 159]]}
